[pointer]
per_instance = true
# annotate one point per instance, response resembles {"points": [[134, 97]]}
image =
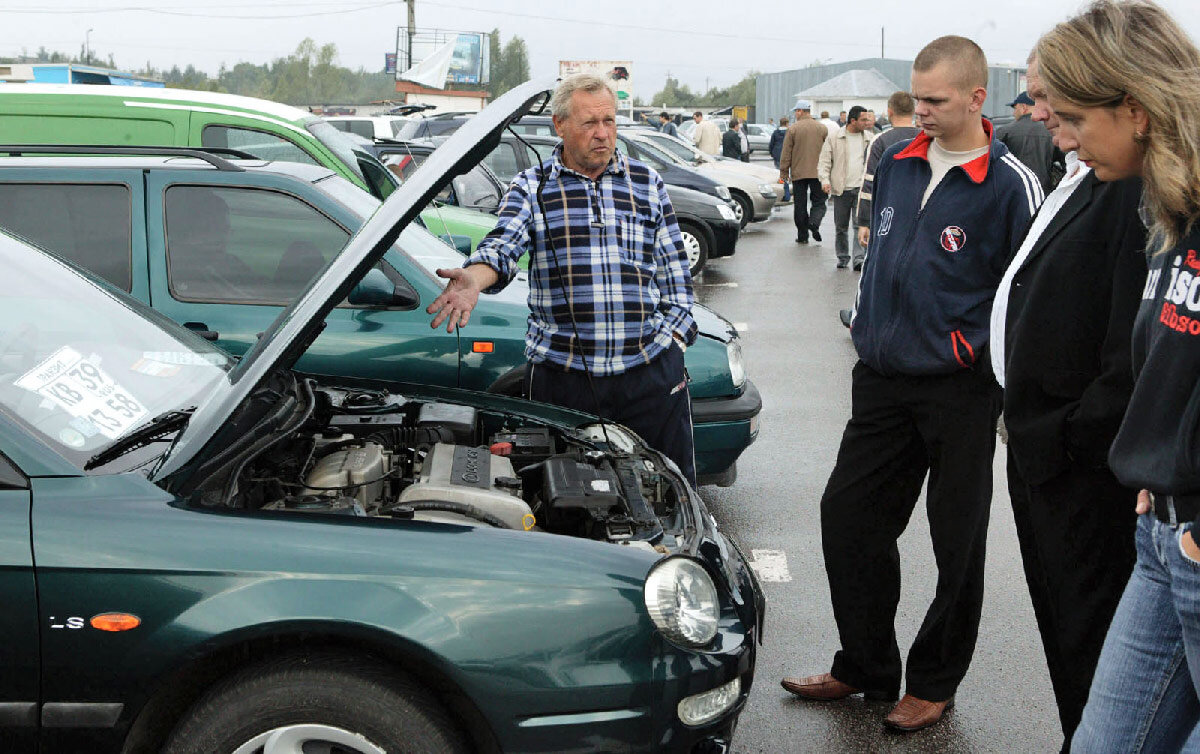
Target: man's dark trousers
{"points": [[900, 428], [845, 216], [1076, 533], [807, 218], [652, 400]]}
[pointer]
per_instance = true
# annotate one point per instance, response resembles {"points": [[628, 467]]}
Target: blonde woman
{"points": [[1124, 79]]}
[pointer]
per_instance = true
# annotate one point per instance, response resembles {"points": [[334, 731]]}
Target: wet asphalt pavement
{"points": [[785, 298]]}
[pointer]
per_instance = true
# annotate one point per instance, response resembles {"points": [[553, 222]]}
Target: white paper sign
{"points": [[81, 388]]}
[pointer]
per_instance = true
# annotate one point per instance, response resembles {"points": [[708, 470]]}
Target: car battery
{"points": [[580, 497], [524, 446]]}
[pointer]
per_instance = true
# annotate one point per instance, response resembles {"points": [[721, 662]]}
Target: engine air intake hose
{"points": [[463, 509]]}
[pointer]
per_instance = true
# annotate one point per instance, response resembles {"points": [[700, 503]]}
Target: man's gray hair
{"points": [[560, 101]]}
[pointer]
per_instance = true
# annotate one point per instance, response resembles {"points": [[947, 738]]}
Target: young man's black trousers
{"points": [[1076, 533], [652, 400], [900, 429]]}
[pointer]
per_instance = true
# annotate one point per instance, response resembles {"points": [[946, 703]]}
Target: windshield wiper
{"points": [[151, 431]]}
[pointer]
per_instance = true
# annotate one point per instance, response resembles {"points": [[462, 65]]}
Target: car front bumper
{"points": [[722, 428], [725, 236]]}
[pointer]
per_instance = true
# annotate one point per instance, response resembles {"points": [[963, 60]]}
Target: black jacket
{"points": [[1031, 143], [1068, 373], [731, 144]]}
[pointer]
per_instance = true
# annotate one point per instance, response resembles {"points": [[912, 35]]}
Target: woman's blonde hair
{"points": [[1133, 47]]}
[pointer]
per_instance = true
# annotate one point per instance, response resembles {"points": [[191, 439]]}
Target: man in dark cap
{"points": [[1031, 143]]}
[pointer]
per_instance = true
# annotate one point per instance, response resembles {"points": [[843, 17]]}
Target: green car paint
{"points": [[124, 116]]}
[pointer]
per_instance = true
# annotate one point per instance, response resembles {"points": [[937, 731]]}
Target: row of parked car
{"points": [[239, 468]]}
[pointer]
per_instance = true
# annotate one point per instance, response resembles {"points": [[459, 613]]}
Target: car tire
{"points": [[745, 208], [343, 701], [696, 243]]}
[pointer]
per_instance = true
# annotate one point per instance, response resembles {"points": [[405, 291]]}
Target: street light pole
{"points": [[87, 46]]}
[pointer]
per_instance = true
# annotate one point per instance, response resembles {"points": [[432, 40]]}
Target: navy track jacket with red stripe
{"points": [[925, 297]]}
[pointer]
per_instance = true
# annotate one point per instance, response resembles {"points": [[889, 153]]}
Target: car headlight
{"points": [[725, 211], [682, 602], [766, 189], [723, 192], [737, 369], [706, 707]]}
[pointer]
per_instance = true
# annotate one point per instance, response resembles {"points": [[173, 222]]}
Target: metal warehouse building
{"points": [[776, 92]]}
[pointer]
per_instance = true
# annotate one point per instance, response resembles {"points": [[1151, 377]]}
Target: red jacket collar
{"points": [[976, 169]]}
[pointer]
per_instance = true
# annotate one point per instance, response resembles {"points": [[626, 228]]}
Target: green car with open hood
{"points": [[203, 554]]}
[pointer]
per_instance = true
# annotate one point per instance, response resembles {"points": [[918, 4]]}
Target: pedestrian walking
{"points": [[745, 145], [798, 163], [731, 140], [706, 135], [665, 125], [841, 119], [950, 205], [900, 115], [1031, 143], [775, 147], [1060, 349], [1122, 79], [840, 169], [610, 296]]}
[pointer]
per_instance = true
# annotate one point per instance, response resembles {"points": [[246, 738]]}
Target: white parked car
{"points": [[369, 126]]}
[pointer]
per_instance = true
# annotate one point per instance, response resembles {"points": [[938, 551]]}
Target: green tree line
{"points": [[310, 75], [674, 94]]}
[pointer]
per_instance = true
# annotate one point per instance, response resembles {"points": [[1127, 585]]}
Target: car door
{"points": [[84, 215], [20, 652], [227, 255]]}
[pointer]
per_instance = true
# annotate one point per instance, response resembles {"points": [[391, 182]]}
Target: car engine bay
{"points": [[370, 453]]}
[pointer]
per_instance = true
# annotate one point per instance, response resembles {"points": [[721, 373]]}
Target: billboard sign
{"points": [[389, 62], [469, 64], [616, 71]]}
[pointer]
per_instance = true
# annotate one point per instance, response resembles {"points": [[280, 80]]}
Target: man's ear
{"points": [[978, 97]]}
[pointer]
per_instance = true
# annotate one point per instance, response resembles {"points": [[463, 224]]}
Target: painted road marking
{"points": [[770, 565], [716, 285], [741, 326]]}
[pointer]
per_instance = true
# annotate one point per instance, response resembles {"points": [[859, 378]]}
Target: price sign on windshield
{"points": [[80, 387]]}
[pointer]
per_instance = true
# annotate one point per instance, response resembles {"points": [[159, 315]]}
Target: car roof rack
{"points": [[207, 154]]}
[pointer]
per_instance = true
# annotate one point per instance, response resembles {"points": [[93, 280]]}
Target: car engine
{"points": [[369, 453]]}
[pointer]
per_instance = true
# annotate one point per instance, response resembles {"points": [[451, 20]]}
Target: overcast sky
{"points": [[701, 42]]}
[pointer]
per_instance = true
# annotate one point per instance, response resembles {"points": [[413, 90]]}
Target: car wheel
{"points": [[326, 703], [695, 243], [743, 208]]}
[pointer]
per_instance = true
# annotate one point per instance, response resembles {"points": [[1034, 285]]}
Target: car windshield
{"points": [[677, 148], [356, 159], [82, 365], [661, 154], [417, 243]]}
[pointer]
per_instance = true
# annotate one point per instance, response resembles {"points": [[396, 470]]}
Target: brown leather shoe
{"points": [[823, 687], [914, 714]]}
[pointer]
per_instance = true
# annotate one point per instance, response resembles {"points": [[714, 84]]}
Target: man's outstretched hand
{"points": [[454, 305]]}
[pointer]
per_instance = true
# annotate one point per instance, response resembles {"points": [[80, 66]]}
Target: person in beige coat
{"points": [[840, 169], [798, 163], [706, 135]]}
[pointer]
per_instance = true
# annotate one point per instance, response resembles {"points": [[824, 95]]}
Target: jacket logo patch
{"points": [[885, 220], [953, 238]]}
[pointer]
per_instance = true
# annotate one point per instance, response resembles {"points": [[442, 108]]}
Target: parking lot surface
{"points": [[784, 297]]}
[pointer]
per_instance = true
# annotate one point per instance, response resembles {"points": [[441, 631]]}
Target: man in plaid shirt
{"points": [[606, 253]]}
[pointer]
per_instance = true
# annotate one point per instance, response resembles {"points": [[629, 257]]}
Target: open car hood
{"points": [[300, 323]]}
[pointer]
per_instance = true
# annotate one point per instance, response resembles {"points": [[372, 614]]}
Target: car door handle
{"points": [[202, 330]]}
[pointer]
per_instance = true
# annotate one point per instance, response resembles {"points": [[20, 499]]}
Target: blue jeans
{"points": [[1144, 696]]}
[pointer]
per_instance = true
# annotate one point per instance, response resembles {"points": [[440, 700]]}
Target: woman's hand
{"points": [[1143, 502]]}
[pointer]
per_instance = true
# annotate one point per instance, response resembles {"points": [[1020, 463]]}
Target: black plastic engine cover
{"points": [[580, 497]]}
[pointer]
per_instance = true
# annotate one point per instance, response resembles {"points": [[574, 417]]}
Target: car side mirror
{"points": [[461, 244], [375, 289]]}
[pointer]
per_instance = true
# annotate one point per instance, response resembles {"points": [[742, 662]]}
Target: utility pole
{"points": [[412, 22], [87, 47], [881, 43]]}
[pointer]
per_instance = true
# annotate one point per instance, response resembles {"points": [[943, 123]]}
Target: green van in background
{"points": [[124, 116]]}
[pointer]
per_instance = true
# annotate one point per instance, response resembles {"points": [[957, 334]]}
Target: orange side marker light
{"points": [[483, 346], [115, 622]]}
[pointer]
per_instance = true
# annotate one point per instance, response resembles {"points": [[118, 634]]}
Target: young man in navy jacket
{"points": [[949, 209]]}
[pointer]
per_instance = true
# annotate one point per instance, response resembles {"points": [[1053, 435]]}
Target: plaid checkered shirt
{"points": [[620, 264]]}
